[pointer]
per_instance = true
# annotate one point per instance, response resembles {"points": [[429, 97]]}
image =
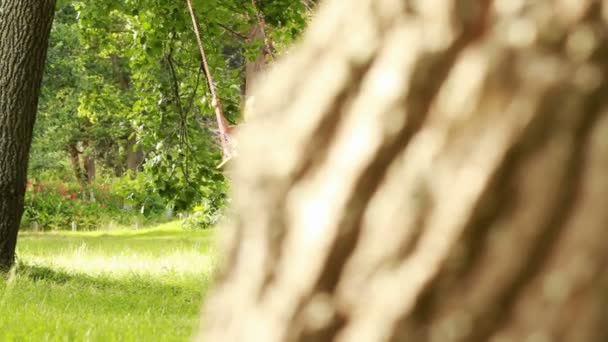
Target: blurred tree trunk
{"points": [[257, 33], [254, 67], [439, 175], [24, 29]]}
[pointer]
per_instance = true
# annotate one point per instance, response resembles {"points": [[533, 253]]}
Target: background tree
{"points": [[125, 101], [24, 32], [439, 175]]}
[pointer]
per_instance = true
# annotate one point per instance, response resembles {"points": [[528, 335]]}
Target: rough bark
{"points": [[24, 29], [438, 176]]}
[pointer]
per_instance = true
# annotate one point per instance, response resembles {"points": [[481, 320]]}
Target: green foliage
{"points": [[288, 20], [56, 205], [136, 194], [205, 215], [144, 285], [126, 75]]}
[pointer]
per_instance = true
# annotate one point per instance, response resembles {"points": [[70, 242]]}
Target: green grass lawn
{"points": [[144, 285]]}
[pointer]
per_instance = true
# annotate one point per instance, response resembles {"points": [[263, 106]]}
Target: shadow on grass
{"points": [[99, 300], [156, 235], [129, 235], [37, 273], [127, 284]]}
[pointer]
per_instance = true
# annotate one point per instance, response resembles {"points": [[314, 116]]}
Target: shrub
{"points": [[55, 205], [137, 194], [205, 215]]}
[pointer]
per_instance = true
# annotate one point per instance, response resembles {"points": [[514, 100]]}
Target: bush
{"points": [[136, 193], [132, 199], [205, 215], [56, 205]]}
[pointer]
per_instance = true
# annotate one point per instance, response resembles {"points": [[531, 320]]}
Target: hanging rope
{"points": [[216, 104]]}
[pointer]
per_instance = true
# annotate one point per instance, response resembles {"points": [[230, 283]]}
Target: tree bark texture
{"points": [[24, 29], [437, 174]]}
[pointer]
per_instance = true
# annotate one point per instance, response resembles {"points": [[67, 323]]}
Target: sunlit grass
{"points": [[122, 285]]}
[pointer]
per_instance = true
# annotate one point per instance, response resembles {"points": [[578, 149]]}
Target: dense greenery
{"points": [[145, 285], [125, 106]]}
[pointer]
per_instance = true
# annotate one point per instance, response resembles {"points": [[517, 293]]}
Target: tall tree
{"points": [[439, 175], [24, 30]]}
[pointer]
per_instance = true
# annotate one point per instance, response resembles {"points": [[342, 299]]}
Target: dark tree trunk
{"points": [[90, 168], [425, 171], [88, 163], [121, 75], [24, 29], [76, 165], [135, 156], [91, 173]]}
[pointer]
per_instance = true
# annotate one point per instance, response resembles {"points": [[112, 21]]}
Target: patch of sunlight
{"points": [[169, 227], [166, 252], [174, 264]]}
